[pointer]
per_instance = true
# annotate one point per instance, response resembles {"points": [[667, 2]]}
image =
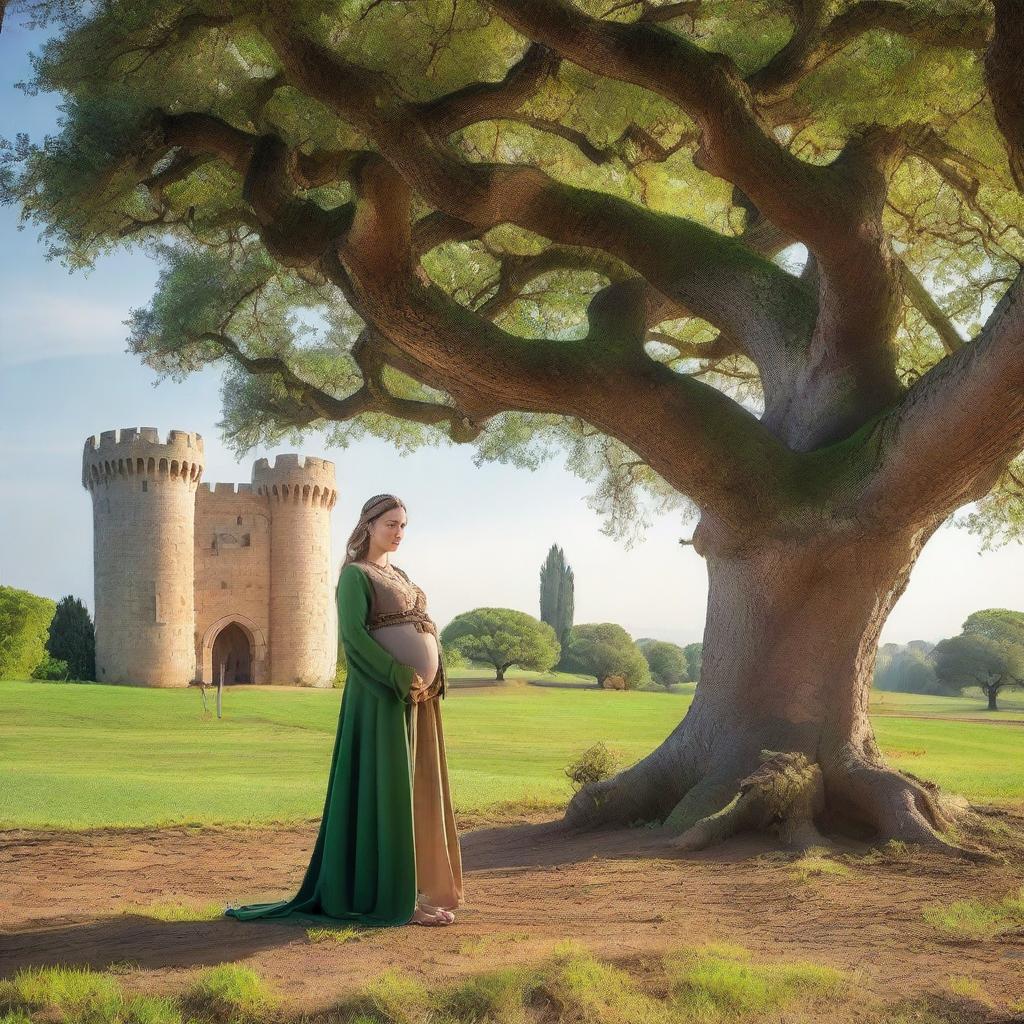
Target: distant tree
{"points": [[24, 626], [988, 653], [72, 638], [694, 658], [502, 637], [907, 668], [557, 595], [604, 649], [666, 661]]}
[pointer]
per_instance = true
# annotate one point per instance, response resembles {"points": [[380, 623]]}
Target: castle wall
{"points": [[232, 574], [143, 494], [188, 574]]}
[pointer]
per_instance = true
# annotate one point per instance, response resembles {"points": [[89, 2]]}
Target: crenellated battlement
{"points": [[295, 479], [139, 452], [219, 488]]}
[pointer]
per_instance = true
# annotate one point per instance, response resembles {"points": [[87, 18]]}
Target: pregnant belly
{"points": [[406, 644]]}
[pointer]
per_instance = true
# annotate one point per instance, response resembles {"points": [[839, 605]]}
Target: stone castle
{"points": [[193, 579]]}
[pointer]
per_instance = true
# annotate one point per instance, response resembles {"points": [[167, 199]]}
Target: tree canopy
{"points": [[453, 219], [988, 653], [604, 649], [502, 637], [667, 662]]}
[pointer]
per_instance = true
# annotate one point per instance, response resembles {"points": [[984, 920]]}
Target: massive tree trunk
{"points": [[789, 649]]}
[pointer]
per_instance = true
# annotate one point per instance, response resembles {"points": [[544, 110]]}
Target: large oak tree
{"points": [[763, 254]]}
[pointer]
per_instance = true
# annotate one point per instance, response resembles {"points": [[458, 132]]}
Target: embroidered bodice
{"points": [[397, 601]]}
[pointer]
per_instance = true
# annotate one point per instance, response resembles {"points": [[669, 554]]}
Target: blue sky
{"points": [[476, 536]]}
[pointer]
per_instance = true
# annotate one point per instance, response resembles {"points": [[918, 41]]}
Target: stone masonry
{"points": [[192, 580]]}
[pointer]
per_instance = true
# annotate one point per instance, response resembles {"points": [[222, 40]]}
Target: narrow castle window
{"points": [[145, 485], [246, 541], [238, 521]]}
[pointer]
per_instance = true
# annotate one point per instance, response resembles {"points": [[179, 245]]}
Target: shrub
{"points": [[51, 668], [595, 763]]}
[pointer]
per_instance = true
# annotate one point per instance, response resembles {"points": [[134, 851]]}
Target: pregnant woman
{"points": [[387, 852]]}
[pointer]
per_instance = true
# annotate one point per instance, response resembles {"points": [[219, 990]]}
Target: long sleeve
{"points": [[388, 676]]}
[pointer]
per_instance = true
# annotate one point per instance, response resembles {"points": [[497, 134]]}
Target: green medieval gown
{"points": [[363, 866]]}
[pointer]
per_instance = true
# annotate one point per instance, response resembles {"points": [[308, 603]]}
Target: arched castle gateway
{"points": [[189, 577]]}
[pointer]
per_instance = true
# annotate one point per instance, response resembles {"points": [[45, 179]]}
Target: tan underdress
{"points": [[399, 622]]}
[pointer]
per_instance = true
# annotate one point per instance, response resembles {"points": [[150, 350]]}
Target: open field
{"points": [[87, 756], [742, 932]]}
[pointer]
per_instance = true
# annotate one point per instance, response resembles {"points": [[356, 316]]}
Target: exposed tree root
{"points": [[901, 806], [783, 795], [787, 794]]}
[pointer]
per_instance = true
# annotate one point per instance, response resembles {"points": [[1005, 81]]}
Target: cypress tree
{"points": [[72, 638], [556, 595]]}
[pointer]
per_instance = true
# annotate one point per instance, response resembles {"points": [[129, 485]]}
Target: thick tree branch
{"points": [[814, 41], [371, 396], [1004, 74], [748, 297], [485, 101], [956, 429], [605, 378]]}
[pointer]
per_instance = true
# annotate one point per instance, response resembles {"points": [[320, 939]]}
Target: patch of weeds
{"points": [[230, 993], [498, 997], [723, 983], [178, 911], [484, 942], [78, 995], [914, 1011], [14, 1017], [391, 998], [974, 919], [893, 852], [968, 988], [119, 967], [814, 862], [577, 987], [351, 934]]}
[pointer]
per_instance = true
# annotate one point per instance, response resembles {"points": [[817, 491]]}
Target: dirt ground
{"points": [[528, 885]]}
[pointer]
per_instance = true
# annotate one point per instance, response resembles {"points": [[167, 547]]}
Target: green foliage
{"points": [[24, 626], [502, 637], [557, 594], [907, 669], [595, 763], [453, 657], [604, 649], [52, 668], [667, 662], [72, 639], [989, 653], [694, 658]]}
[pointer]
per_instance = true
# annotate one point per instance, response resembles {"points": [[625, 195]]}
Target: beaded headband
{"points": [[369, 508]]}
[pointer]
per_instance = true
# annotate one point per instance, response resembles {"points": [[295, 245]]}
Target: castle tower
{"points": [[301, 494], [143, 498]]}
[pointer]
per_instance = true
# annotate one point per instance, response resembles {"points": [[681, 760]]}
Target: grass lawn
{"points": [[81, 756]]}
